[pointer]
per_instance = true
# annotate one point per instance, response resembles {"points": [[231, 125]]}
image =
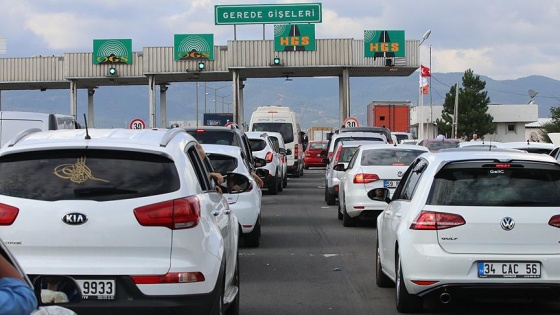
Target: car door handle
{"points": [[215, 213], [228, 211]]}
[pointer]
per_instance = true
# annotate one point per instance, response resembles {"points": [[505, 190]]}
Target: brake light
{"points": [[424, 282], [335, 188], [8, 214], [431, 220], [296, 150], [337, 156], [503, 165], [554, 221], [172, 277], [200, 130], [173, 214], [362, 178], [268, 157]]}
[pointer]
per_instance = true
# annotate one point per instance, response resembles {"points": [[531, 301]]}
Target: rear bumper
{"points": [[292, 169], [129, 300]]}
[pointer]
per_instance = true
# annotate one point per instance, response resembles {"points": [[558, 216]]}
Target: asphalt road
{"points": [[308, 264]]}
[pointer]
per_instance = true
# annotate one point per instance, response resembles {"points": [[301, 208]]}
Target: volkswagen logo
{"points": [[399, 174], [507, 223], [74, 218]]}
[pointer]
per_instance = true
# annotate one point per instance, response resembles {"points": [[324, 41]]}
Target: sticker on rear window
{"points": [[77, 173]]}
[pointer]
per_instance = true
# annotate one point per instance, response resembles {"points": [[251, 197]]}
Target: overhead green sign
{"points": [[385, 44], [194, 46], [294, 37], [111, 51], [268, 13]]}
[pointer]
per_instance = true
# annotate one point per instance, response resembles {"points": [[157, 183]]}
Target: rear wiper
{"points": [[99, 191]]}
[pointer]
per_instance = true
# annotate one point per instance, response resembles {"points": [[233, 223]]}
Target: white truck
{"points": [[283, 120], [14, 122]]}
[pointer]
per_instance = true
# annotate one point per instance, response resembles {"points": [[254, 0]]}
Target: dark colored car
{"points": [[315, 153]]}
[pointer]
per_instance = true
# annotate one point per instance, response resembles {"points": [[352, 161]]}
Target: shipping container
{"points": [[394, 115]]}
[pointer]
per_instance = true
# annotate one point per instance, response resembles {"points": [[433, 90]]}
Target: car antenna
{"points": [[87, 132]]}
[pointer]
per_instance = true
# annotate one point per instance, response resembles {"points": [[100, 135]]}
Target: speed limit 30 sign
{"points": [[351, 122], [137, 123]]}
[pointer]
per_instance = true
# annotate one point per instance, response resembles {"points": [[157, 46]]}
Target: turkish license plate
{"points": [[390, 183], [509, 269], [97, 289]]}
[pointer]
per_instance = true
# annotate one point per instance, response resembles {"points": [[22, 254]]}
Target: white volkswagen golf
{"points": [[131, 215], [471, 222]]}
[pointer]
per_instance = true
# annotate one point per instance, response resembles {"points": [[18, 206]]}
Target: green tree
{"points": [[473, 109], [551, 126]]}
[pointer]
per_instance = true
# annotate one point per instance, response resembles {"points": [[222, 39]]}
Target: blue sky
{"points": [[502, 39]]}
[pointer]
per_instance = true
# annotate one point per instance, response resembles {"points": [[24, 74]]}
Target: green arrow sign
{"points": [[268, 13]]}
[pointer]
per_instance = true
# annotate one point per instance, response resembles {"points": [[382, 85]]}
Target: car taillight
{"points": [[554, 221], [362, 178], [337, 156], [431, 220], [173, 214], [8, 214], [329, 156], [172, 277], [296, 151], [268, 157]]}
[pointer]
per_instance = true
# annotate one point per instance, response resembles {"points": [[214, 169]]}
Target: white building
{"points": [[510, 121]]}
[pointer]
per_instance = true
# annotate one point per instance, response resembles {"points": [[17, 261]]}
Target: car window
{"points": [[414, 176], [285, 129], [353, 159], [492, 184], [257, 144], [222, 163], [438, 145], [100, 175], [346, 153], [389, 157], [317, 146], [213, 137], [201, 168]]}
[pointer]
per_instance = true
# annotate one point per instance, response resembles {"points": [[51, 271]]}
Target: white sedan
{"points": [[246, 205], [371, 166], [480, 222]]}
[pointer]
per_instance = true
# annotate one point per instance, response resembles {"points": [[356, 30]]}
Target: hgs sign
{"points": [[384, 44], [294, 37]]}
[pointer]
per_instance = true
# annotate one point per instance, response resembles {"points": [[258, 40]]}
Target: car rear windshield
{"points": [[438, 145], [257, 144], [285, 129], [222, 163], [317, 146], [376, 139], [100, 175], [497, 184], [213, 136], [389, 157]]}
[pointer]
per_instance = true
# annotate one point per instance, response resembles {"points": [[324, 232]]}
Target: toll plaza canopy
{"points": [[237, 61]]}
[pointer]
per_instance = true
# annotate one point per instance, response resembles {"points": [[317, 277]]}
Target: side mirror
{"points": [[339, 167], [288, 151], [237, 183], [379, 194], [259, 162], [55, 290]]}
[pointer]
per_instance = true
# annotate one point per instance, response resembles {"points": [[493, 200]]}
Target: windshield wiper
{"points": [[100, 191]]}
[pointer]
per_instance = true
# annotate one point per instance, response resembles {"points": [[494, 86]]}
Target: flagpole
{"points": [[420, 105]]}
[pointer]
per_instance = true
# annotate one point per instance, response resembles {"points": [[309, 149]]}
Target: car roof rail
{"points": [[22, 135], [169, 135]]}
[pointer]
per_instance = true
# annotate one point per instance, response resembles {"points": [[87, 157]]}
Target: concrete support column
{"points": [[91, 122], [163, 104], [344, 95], [74, 99], [152, 101]]}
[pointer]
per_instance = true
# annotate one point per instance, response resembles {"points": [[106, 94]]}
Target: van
{"points": [[14, 122], [283, 120]]}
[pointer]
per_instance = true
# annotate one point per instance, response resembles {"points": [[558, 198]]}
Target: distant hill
{"points": [[314, 99]]}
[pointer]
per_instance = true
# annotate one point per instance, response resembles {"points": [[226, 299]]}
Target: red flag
{"points": [[425, 71]]}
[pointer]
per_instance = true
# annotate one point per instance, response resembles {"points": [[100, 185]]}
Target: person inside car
{"points": [[16, 296]]}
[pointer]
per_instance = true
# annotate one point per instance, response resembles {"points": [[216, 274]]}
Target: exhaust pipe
{"points": [[445, 298]]}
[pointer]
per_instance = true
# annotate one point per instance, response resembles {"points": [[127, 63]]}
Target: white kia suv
{"points": [[131, 215]]}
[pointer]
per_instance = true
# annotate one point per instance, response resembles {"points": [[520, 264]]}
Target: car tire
{"points": [[280, 184], [347, 220], [339, 211], [329, 198], [233, 308], [273, 185], [252, 239], [406, 302], [306, 167], [285, 180], [381, 278]]}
